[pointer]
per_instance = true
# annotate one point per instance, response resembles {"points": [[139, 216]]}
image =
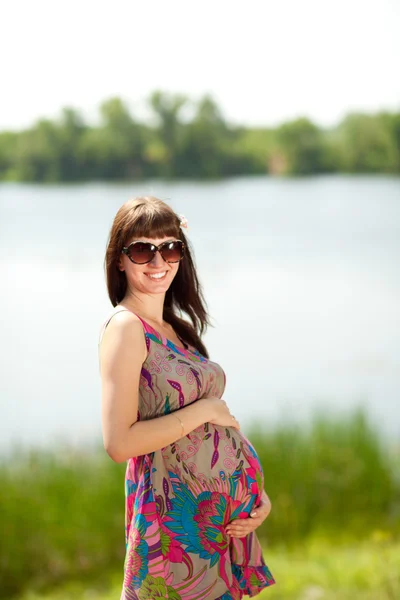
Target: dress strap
{"points": [[103, 327]]}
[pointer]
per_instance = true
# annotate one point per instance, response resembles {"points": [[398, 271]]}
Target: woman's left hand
{"points": [[241, 527]]}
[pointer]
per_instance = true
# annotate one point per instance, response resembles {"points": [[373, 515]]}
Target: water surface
{"points": [[301, 277]]}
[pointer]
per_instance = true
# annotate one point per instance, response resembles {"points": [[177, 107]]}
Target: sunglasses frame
{"points": [[155, 248]]}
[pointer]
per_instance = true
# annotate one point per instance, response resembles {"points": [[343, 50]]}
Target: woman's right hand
{"points": [[220, 413]]}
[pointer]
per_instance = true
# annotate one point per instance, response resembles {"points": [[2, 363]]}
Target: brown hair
{"points": [[150, 217]]}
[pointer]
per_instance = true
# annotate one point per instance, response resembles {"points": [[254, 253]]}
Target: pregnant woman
{"points": [[194, 484]]}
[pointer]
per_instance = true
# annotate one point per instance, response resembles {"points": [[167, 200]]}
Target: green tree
{"points": [[302, 146], [255, 151], [391, 121], [205, 148], [8, 150], [193, 139], [367, 145], [115, 149], [167, 109], [38, 153], [71, 128]]}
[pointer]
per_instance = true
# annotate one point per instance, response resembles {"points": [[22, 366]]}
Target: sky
{"points": [[263, 61]]}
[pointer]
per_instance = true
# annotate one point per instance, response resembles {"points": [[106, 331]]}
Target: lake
{"points": [[301, 277]]}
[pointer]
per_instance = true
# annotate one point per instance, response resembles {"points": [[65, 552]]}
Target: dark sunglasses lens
{"points": [[172, 252], [141, 253]]}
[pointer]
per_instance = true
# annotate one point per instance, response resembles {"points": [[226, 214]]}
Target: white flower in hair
{"points": [[184, 221]]}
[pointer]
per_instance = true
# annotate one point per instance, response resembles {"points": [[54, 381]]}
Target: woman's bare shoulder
{"points": [[122, 323]]}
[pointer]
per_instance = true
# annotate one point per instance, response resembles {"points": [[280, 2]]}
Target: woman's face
{"points": [[140, 278]]}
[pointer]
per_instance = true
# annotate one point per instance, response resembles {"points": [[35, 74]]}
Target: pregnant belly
{"points": [[218, 458]]}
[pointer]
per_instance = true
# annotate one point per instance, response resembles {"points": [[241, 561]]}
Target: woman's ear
{"points": [[120, 265]]}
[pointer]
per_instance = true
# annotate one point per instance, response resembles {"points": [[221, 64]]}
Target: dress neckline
{"points": [[166, 340]]}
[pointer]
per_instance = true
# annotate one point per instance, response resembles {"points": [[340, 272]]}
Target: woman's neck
{"points": [[150, 308]]}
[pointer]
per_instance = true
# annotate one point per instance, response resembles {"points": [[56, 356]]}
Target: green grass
{"points": [[62, 512], [316, 571], [366, 571], [62, 516], [334, 477]]}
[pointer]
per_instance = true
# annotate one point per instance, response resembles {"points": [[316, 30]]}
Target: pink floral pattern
{"points": [[179, 499]]}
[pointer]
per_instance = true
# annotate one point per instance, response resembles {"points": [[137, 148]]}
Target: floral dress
{"points": [[180, 498]]}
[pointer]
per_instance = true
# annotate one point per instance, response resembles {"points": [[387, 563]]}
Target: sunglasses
{"points": [[142, 253]]}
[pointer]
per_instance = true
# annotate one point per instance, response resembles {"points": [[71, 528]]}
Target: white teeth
{"points": [[156, 275]]}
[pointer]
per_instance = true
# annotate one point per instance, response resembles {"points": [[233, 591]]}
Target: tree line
{"points": [[188, 139]]}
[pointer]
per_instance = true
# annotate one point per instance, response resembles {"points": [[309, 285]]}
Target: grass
{"points": [[369, 570], [315, 571], [335, 476], [62, 512]]}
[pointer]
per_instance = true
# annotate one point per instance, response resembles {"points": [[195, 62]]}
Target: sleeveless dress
{"points": [[180, 498]]}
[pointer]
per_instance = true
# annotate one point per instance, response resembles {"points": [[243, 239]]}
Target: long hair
{"points": [[147, 216]]}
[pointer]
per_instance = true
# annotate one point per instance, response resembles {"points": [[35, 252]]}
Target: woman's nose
{"points": [[158, 260]]}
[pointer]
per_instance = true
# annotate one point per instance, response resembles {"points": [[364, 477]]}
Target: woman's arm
{"points": [[122, 353], [153, 434]]}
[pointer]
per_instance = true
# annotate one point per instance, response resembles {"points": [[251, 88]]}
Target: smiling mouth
{"points": [[157, 276]]}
